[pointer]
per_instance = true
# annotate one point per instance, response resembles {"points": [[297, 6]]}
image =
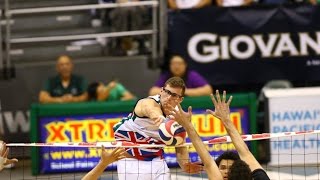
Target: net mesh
{"points": [[295, 157]]}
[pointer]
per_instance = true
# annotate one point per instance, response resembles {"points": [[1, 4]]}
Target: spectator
{"points": [[188, 4], [229, 3], [314, 2], [245, 168], [4, 151], [195, 83], [114, 91], [106, 159], [64, 87], [128, 19]]}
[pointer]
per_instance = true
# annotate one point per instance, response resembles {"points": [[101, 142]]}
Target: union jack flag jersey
{"points": [[139, 130]]}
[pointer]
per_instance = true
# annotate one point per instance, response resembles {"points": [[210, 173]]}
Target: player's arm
{"points": [[222, 112], [182, 154], [106, 159], [149, 108], [184, 119]]}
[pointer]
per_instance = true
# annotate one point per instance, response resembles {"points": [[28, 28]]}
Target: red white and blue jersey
{"points": [[139, 130]]}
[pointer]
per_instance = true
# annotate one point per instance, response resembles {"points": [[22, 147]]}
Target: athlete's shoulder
{"points": [[155, 97]]}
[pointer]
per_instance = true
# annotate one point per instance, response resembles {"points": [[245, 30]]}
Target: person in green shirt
{"points": [[314, 2], [114, 91], [65, 86]]}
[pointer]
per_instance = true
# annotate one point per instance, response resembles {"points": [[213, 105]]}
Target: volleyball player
{"points": [[246, 168], [142, 126]]}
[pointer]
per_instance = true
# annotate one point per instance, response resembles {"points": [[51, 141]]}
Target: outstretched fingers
{"points": [[10, 161], [119, 153], [6, 152], [190, 111], [229, 101], [218, 96], [224, 97], [213, 99]]}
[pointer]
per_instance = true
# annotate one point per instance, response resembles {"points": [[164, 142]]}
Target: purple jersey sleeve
{"points": [[195, 80]]}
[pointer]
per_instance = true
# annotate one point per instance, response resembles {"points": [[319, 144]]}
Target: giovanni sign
{"points": [[249, 44]]}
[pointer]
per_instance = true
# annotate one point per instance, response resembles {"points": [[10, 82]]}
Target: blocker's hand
{"points": [[4, 151], [221, 106], [192, 168]]}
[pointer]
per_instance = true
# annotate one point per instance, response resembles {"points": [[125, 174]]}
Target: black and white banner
{"points": [[246, 45]]}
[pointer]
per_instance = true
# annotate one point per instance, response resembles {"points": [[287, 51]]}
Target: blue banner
{"points": [[94, 128], [249, 45]]}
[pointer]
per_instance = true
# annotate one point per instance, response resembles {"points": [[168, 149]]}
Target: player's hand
{"points": [[4, 151], [192, 168], [115, 155], [158, 120], [182, 117], [221, 107]]}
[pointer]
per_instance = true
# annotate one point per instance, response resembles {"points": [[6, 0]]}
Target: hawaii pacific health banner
{"points": [[294, 110], [254, 44]]}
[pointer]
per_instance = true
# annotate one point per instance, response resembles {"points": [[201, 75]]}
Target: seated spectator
{"points": [[114, 91], [128, 19], [230, 3], [314, 2], [196, 85], [64, 87], [106, 159], [245, 168], [189, 4], [4, 161]]}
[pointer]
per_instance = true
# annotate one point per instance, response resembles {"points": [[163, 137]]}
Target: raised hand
{"points": [[4, 151], [115, 155], [181, 116], [221, 107], [192, 168]]}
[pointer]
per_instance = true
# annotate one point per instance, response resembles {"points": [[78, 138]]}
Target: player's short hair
{"points": [[239, 171], [227, 155], [176, 82], [92, 91]]}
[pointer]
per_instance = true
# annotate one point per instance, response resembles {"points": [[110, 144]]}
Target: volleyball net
{"points": [[290, 155]]}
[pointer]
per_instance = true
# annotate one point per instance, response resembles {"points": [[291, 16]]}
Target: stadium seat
{"points": [[40, 52], [19, 4]]}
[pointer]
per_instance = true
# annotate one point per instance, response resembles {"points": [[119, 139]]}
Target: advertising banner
{"points": [[94, 128], [294, 110], [242, 45]]}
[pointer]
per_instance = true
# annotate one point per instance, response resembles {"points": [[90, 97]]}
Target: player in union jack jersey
{"points": [[142, 126]]}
